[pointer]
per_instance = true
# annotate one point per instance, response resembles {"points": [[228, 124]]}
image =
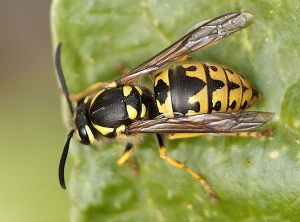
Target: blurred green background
{"points": [[32, 133]]}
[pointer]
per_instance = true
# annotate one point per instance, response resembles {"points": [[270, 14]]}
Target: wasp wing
{"points": [[202, 123], [202, 34]]}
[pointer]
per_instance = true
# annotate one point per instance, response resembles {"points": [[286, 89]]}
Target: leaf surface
{"points": [[254, 179]]}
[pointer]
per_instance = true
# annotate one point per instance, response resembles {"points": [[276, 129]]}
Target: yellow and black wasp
{"points": [[189, 98]]}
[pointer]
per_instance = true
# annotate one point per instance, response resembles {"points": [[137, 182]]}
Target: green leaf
{"points": [[254, 179]]}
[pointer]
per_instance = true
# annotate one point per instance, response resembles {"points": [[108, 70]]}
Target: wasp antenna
{"points": [[63, 158], [61, 76]]}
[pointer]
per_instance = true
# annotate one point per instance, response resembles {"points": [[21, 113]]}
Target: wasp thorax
{"points": [[82, 124], [113, 108]]}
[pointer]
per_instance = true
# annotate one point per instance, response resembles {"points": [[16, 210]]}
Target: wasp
{"points": [[188, 98]]}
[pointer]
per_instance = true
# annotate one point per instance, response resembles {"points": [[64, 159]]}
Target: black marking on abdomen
{"points": [[228, 70], [231, 86], [244, 88], [212, 86], [183, 87], [255, 93], [244, 106], [213, 68], [161, 91], [232, 105]]}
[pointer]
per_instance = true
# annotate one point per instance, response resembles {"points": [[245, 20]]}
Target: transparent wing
{"points": [[202, 123], [202, 34]]}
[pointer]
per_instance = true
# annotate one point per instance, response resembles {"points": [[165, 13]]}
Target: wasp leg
{"points": [[242, 134], [184, 57], [183, 166], [91, 89], [124, 158]]}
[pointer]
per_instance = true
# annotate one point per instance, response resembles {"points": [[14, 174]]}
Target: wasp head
{"points": [[82, 124]]}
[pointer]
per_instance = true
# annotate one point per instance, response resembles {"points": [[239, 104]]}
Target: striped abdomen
{"points": [[202, 88]]}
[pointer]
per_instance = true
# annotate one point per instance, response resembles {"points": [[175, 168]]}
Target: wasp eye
{"points": [[84, 135]]}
